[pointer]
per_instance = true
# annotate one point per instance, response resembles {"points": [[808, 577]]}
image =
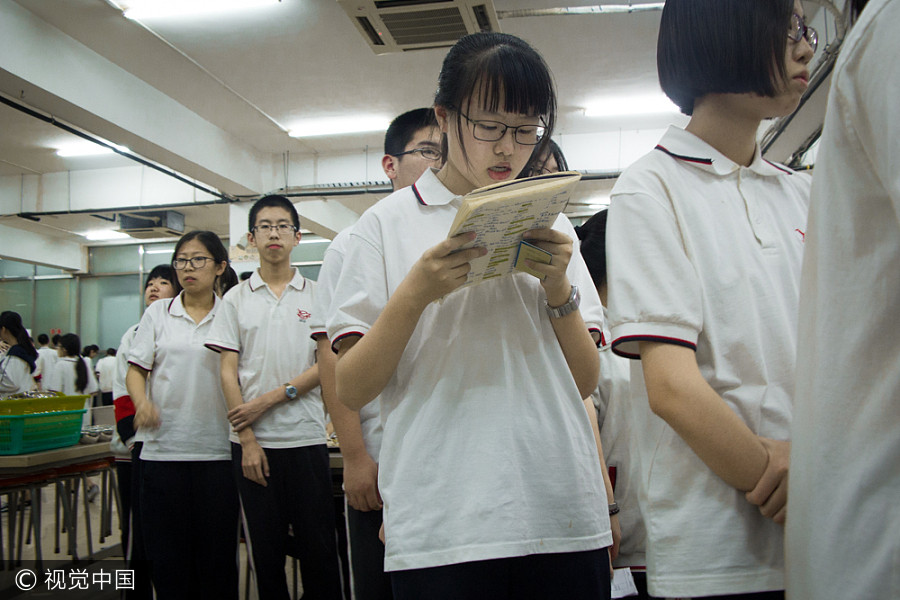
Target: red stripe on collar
{"points": [[780, 168], [418, 195]]}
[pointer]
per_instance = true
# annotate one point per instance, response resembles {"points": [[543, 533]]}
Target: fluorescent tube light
{"points": [[86, 149], [628, 106], [102, 235], [339, 126], [154, 9]]}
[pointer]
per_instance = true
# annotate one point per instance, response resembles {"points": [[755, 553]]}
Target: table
{"points": [[21, 464]]}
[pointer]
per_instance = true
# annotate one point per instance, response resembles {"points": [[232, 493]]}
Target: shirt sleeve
{"points": [[332, 264], [654, 290], [362, 290], [16, 375], [119, 388], [224, 334], [143, 346]]}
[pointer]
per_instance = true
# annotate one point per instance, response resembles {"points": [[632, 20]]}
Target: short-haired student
{"points": [[270, 379], [704, 248], [411, 145], [488, 468], [189, 502]]}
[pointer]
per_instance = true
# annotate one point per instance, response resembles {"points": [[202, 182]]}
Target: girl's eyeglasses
{"points": [[492, 131], [800, 30], [197, 262]]}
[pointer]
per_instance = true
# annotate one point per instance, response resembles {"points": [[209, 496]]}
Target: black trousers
{"points": [[370, 582], [298, 499], [130, 476], [190, 525], [569, 575]]}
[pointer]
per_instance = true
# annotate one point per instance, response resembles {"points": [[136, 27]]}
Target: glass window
{"points": [[310, 249], [310, 271], [13, 268], [115, 259], [109, 306], [16, 296], [54, 305], [39, 271], [157, 254]]}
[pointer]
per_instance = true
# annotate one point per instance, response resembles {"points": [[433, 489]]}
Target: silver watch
{"points": [[569, 307], [290, 391]]}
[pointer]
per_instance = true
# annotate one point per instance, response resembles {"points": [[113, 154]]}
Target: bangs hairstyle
{"points": [[402, 129], [721, 47], [273, 200], [499, 67], [162, 272], [214, 246]]}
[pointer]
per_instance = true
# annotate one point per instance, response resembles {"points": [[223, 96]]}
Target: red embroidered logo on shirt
{"points": [[802, 235], [303, 315]]}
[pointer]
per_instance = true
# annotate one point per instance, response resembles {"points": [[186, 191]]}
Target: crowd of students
{"points": [[482, 458]]}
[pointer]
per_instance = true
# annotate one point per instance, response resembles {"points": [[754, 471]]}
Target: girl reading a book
{"points": [[488, 471]]}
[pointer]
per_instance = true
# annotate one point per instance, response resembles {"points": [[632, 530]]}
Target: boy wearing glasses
{"points": [[411, 145], [269, 378]]}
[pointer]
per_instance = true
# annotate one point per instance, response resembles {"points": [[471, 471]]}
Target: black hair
{"points": [[499, 66], [161, 272], [539, 159], [70, 343], [721, 47], [13, 323], [55, 339], [402, 129], [856, 7], [228, 279], [592, 234], [110, 351], [245, 275], [276, 201], [43, 339]]}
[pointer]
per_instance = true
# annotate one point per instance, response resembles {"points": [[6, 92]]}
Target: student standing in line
{"points": [[705, 243], [46, 358], [161, 283], [411, 145], [188, 500], [18, 363], [269, 377], [609, 406], [845, 475], [106, 372], [72, 374], [488, 469]]}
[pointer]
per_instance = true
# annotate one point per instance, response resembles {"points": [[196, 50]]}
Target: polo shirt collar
{"points": [[176, 308], [298, 281], [429, 190], [687, 147]]}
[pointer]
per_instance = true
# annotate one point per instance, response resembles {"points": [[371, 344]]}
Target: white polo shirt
{"points": [[119, 388], [47, 357], [184, 385], [487, 450], [106, 372], [15, 375], [611, 400], [62, 377], [845, 451], [271, 337], [332, 263], [705, 253]]}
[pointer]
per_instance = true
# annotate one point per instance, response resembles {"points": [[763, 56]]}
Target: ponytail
{"points": [[70, 343], [227, 280], [12, 321]]}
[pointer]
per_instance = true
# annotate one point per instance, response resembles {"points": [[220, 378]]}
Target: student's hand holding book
{"points": [[554, 281], [440, 270]]}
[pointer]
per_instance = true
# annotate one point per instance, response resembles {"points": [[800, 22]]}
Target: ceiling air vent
{"points": [[402, 25], [152, 224]]}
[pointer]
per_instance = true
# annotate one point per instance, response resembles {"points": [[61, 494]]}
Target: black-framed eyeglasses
{"points": [[492, 131], [280, 228], [196, 262], [426, 153], [799, 30]]}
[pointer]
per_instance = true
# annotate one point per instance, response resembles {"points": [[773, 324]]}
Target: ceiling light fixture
{"points": [[103, 235], [629, 106], [154, 9], [86, 149], [339, 126]]}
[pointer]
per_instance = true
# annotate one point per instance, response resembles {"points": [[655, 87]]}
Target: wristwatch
{"points": [[570, 306], [290, 391]]}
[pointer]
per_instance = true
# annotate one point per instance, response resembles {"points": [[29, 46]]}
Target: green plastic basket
{"points": [[20, 434]]}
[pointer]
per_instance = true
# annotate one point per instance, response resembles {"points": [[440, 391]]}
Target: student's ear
{"points": [[250, 241], [389, 164], [297, 236], [443, 118]]}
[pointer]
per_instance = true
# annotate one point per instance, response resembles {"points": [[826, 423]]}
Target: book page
{"points": [[500, 215]]}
